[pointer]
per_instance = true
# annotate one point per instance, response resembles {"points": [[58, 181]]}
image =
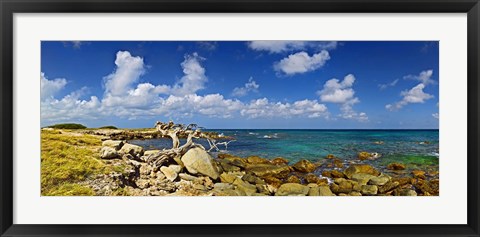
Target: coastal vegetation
{"points": [[67, 126], [95, 162]]}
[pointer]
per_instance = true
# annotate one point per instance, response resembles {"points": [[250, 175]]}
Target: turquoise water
{"points": [[410, 146]]}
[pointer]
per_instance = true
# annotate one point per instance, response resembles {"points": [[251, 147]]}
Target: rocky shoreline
{"points": [[197, 173]]}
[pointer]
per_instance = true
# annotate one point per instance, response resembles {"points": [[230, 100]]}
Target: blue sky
{"points": [[257, 84]]}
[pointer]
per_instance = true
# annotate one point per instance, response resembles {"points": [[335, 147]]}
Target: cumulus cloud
{"points": [[48, 88], [342, 92], [123, 97], [250, 86], [128, 71], [301, 62], [263, 108], [413, 96], [279, 46], [425, 77]]}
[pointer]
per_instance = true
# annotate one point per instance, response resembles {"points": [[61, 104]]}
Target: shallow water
{"points": [[417, 147]]}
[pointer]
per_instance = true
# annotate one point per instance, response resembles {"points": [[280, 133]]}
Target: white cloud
{"points": [[48, 88], [263, 108], [301, 62], [128, 71], [341, 92], [250, 86], [124, 98], [425, 77], [385, 86], [413, 96], [194, 78], [279, 46], [436, 115]]}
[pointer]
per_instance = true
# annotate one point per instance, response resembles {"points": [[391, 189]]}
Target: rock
{"points": [[227, 178], [338, 163], [272, 181], [108, 153], [187, 177], [227, 166], [424, 187], [380, 180], [150, 152], [134, 150], [142, 183], [293, 179], [236, 161], [224, 155], [257, 160], [311, 178], [342, 187], [249, 189], [360, 168], [145, 169], [197, 160], [222, 186], [304, 166], [325, 191], [354, 193], [170, 172], [253, 179], [322, 181], [396, 166], [327, 173], [362, 178], [113, 144], [313, 191], [419, 174], [292, 189], [330, 156], [262, 170], [409, 192], [279, 161], [364, 155], [369, 190], [337, 174], [402, 180], [388, 186]]}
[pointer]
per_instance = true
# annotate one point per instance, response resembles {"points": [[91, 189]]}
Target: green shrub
{"points": [[68, 126], [108, 127]]}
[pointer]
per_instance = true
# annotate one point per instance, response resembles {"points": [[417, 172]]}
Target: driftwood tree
{"points": [[175, 132]]}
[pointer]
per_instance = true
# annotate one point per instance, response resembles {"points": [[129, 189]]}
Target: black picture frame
{"points": [[9, 7]]}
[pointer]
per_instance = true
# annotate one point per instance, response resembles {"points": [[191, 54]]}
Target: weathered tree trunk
{"points": [[174, 131]]}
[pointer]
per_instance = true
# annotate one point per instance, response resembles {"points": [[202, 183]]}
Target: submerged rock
{"points": [[396, 166], [304, 166], [197, 160], [292, 189]]}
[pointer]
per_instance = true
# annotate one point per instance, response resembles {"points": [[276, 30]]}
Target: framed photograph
{"points": [[256, 118]]}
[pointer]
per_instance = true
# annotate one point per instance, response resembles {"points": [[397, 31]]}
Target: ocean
{"points": [[417, 147]]}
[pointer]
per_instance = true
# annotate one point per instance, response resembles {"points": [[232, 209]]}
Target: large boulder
{"points": [[134, 150], [108, 153], [304, 166], [364, 169], [292, 189], [197, 160], [113, 144]]}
